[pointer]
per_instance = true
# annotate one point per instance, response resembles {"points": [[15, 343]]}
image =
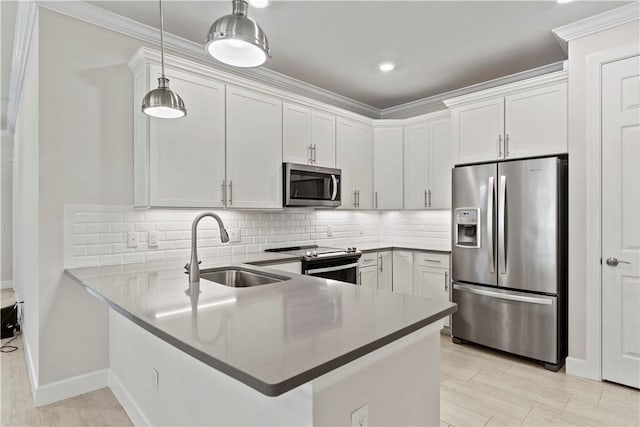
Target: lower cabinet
{"points": [[369, 276], [385, 270], [431, 281], [403, 272]]}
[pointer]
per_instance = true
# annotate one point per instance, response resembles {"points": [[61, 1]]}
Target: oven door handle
{"points": [[328, 269]]}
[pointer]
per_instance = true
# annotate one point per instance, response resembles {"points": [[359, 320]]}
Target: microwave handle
{"points": [[334, 193]]}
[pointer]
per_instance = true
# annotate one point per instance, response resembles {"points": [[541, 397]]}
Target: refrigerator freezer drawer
{"points": [[517, 322]]}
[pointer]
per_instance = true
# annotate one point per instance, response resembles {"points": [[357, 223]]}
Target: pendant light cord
{"points": [[162, 39]]}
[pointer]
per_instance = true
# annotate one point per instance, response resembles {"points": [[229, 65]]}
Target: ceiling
{"points": [[437, 46], [336, 45]]}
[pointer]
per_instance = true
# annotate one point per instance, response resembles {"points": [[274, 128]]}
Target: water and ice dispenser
{"points": [[467, 227]]}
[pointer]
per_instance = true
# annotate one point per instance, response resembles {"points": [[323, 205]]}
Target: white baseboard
{"points": [[31, 367], [127, 402], [71, 387], [581, 368], [6, 284]]}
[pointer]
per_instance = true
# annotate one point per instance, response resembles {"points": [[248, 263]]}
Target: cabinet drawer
{"points": [[431, 259], [368, 259]]}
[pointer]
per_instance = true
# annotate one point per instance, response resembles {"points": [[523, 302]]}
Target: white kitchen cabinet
{"points": [[403, 272], [431, 278], [385, 270], [355, 158], [254, 149], [427, 164], [309, 136], [522, 119], [180, 162], [369, 276], [387, 168]]}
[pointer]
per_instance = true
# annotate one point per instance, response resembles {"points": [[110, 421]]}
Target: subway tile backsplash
{"points": [[97, 235]]}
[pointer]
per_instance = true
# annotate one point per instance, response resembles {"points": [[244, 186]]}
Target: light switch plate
{"points": [[329, 230], [153, 239]]}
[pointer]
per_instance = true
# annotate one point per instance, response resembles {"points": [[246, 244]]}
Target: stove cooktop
{"points": [[311, 252]]}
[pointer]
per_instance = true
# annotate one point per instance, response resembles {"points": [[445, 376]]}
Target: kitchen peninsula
{"points": [[301, 351]]}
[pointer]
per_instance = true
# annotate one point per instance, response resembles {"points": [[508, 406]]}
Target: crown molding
{"points": [[94, 15], [593, 24], [504, 90], [437, 102], [26, 12]]}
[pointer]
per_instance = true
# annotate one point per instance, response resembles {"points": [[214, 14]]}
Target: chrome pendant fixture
{"points": [[238, 40], [163, 102]]}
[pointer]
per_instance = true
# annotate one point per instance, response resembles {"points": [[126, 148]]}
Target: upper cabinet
{"points": [[522, 119], [427, 163], [387, 168], [309, 136], [355, 158], [254, 149], [180, 163]]}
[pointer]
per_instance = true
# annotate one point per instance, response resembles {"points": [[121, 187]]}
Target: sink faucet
{"points": [[194, 266]]}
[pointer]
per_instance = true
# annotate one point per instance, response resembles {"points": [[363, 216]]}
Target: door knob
{"points": [[612, 261]]}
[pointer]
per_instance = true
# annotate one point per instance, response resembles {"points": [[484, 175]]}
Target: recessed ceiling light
{"points": [[564, 1], [387, 66], [259, 3]]}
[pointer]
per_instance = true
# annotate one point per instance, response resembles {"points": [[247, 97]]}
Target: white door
{"points": [[254, 150], [440, 164], [620, 224], [323, 139], [369, 276], [536, 122], [296, 134], [478, 130], [416, 166], [387, 168], [403, 272]]}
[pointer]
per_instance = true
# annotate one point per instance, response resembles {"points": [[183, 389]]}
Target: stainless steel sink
{"points": [[238, 277]]}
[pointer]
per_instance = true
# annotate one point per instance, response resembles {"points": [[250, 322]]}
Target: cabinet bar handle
{"points": [[425, 198], [224, 189], [355, 198], [358, 198], [499, 145], [314, 153], [309, 154], [376, 200], [506, 145], [429, 198], [230, 193], [380, 259], [432, 260], [446, 281]]}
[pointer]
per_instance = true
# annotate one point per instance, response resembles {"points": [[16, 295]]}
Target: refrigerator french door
{"points": [[509, 257]]}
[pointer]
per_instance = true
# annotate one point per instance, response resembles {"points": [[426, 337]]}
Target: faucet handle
{"points": [[187, 266]]}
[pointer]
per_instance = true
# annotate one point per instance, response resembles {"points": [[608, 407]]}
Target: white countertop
{"points": [[273, 337]]}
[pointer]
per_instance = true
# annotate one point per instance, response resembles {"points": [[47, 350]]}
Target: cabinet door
{"points": [[254, 150], [385, 270], [478, 131], [440, 164], [323, 138], [536, 122], [296, 133], [403, 272], [369, 276], [429, 282], [186, 156], [355, 158], [416, 166], [387, 168]]}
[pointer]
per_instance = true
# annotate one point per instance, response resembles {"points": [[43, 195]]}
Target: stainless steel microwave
{"points": [[315, 186]]}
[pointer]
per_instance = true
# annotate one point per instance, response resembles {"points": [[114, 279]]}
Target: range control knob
{"points": [[314, 253], [349, 250], [307, 253]]}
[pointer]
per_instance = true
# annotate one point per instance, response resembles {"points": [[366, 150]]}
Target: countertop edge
{"points": [[404, 248]]}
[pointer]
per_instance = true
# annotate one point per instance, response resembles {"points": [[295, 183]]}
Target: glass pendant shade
{"points": [[163, 102], [238, 40]]}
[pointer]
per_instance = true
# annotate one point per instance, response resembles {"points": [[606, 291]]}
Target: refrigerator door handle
{"points": [[502, 201], [490, 219], [504, 296]]}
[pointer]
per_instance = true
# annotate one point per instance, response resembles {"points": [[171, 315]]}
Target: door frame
{"points": [[592, 366]]}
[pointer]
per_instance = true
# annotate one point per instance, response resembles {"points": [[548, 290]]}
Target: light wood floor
{"points": [[478, 387]]}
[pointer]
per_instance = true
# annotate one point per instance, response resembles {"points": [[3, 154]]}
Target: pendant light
{"points": [[238, 40], [163, 102]]}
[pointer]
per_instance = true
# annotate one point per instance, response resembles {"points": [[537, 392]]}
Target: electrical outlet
{"points": [[361, 229], [234, 236], [329, 230], [153, 239], [360, 417], [132, 239]]}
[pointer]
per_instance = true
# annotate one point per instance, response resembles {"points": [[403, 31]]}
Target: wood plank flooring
{"points": [[478, 387]]}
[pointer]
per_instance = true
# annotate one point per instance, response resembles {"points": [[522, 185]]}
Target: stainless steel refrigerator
{"points": [[509, 257]]}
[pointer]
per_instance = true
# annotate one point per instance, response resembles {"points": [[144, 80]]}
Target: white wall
{"points": [[25, 219], [6, 212], [578, 51]]}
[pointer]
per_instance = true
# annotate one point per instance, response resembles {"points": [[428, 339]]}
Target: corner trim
{"points": [[25, 21], [593, 24], [70, 387], [128, 404]]}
